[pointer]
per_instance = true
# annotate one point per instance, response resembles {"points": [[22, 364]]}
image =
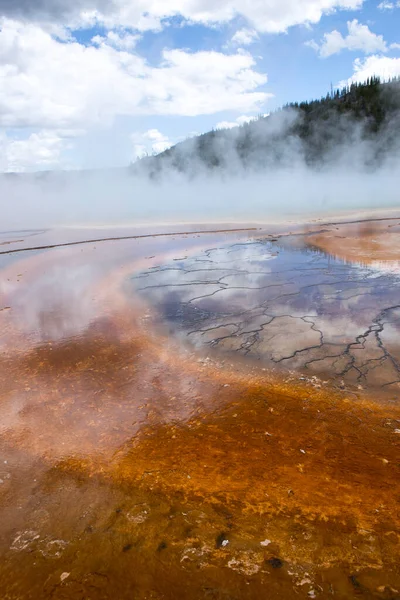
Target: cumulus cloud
{"points": [[385, 5], [149, 142], [237, 122], [48, 83], [118, 40], [38, 151], [381, 66], [244, 37], [273, 16], [359, 37]]}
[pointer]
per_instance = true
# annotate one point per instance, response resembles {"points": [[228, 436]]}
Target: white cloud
{"points": [[154, 141], [149, 142], [359, 37], [313, 44], [380, 66], [118, 40], [273, 16], [385, 5], [237, 122], [226, 125], [244, 37], [40, 150], [395, 46], [47, 83]]}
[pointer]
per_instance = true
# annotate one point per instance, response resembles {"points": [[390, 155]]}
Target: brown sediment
{"points": [[132, 467], [128, 449], [368, 242]]}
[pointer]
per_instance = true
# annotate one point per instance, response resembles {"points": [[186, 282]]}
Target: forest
{"points": [[361, 120]]}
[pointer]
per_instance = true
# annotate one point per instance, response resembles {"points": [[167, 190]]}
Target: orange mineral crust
{"points": [[136, 465]]}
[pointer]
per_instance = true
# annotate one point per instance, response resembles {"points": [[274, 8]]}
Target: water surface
{"points": [[163, 437], [283, 303]]}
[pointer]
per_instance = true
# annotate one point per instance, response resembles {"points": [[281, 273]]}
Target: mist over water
{"points": [[347, 171]]}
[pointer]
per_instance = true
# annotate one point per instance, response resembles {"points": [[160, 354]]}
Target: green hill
{"points": [[359, 124]]}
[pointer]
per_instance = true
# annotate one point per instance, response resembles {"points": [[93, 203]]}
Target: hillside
{"points": [[359, 125]]}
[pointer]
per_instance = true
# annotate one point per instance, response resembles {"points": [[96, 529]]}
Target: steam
{"points": [[264, 171]]}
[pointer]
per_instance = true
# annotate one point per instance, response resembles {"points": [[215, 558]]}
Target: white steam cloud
{"points": [[275, 177]]}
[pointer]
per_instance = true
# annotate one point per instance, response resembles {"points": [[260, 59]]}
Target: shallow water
{"points": [[133, 465], [284, 305]]}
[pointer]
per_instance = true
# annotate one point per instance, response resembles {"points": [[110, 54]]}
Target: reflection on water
{"points": [[389, 267], [297, 308], [132, 466]]}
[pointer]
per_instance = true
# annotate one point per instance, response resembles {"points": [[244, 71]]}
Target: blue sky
{"points": [[90, 86]]}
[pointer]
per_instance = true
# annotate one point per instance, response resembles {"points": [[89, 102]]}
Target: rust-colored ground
{"points": [[132, 467], [366, 242]]}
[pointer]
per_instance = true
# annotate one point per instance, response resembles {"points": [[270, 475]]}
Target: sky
{"points": [[100, 83]]}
